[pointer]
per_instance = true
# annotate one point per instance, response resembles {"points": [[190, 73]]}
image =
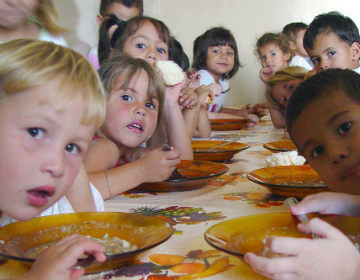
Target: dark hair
{"points": [[291, 30], [105, 5], [104, 47], [217, 36], [177, 54], [128, 28], [334, 22], [274, 38], [324, 83]]}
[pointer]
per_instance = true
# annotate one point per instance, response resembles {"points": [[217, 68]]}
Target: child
{"points": [[51, 102], [216, 59], [294, 32], [135, 102], [332, 41], [281, 86], [32, 19], [322, 118], [121, 9], [274, 53]]}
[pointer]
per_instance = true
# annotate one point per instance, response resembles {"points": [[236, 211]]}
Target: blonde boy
{"points": [[51, 103], [332, 41]]}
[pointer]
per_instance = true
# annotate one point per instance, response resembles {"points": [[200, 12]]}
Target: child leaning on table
{"points": [[323, 119], [332, 41], [216, 59], [51, 103]]}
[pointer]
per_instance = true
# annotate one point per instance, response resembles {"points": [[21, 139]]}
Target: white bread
{"points": [[285, 158], [172, 73], [209, 100]]}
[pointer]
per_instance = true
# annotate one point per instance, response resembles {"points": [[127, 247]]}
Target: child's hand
{"points": [[203, 92], [253, 120], [56, 262], [193, 81], [215, 88], [188, 98], [332, 257], [265, 74], [172, 93], [158, 165]]}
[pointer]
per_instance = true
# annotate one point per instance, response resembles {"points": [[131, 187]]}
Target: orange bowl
{"points": [[197, 173], [298, 181], [227, 152], [281, 146], [228, 124]]}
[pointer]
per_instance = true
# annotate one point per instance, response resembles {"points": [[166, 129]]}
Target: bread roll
{"points": [[172, 73]]}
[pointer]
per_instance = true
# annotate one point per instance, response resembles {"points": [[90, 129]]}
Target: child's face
{"points": [[14, 12], [273, 57], [41, 147], [282, 91], [146, 44], [120, 11], [328, 134], [220, 60], [299, 45], [131, 116], [329, 52]]}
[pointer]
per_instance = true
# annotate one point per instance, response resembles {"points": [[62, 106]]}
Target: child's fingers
{"points": [[320, 228], [286, 245], [309, 204]]}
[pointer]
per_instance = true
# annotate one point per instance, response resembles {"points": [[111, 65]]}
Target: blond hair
{"points": [[125, 66], [25, 64], [46, 15], [286, 74]]}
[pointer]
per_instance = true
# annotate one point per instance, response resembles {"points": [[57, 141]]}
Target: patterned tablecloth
{"points": [[192, 213]]}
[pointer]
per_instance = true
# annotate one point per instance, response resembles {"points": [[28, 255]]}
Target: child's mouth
{"points": [[352, 171], [38, 197], [136, 126]]}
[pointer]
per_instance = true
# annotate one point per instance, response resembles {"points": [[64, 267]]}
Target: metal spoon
{"points": [[290, 201], [224, 144], [84, 263]]}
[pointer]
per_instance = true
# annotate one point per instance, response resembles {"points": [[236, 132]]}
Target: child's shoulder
{"points": [[300, 61], [205, 77]]}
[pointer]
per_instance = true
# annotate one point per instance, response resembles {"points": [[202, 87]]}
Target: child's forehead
{"points": [[329, 39], [271, 46]]}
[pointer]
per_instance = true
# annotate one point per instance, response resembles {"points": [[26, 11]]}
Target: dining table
{"points": [[186, 255]]}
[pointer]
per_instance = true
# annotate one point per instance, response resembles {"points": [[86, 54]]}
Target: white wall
{"points": [[187, 19]]}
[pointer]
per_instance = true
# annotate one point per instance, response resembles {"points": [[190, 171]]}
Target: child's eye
{"points": [[35, 132], [229, 53], [161, 50], [343, 128], [317, 151], [284, 102], [331, 53], [316, 60], [140, 46], [216, 51], [126, 97], [72, 148], [150, 105], [291, 88], [273, 54], [263, 57]]}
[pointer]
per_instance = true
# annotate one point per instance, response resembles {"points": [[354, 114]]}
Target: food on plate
{"points": [[285, 159], [172, 73]]}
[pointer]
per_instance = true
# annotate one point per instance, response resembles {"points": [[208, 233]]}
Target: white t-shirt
{"points": [[357, 70], [207, 79], [46, 36], [300, 61]]}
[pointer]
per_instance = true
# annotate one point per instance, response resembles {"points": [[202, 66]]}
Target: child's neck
{"points": [[26, 30]]}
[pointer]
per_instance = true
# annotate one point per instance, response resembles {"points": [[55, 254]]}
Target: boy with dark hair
{"points": [[294, 32], [332, 41], [123, 10], [323, 119]]}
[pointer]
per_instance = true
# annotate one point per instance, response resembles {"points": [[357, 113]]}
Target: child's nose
{"points": [[54, 162], [140, 111], [324, 65], [338, 153], [151, 57]]}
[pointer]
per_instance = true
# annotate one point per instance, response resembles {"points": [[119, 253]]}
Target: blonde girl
{"points": [[274, 53], [31, 19], [281, 85], [134, 116]]}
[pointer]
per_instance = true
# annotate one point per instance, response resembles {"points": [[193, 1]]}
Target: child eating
{"points": [[323, 120], [51, 103]]}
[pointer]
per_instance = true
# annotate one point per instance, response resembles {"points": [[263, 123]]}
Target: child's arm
{"points": [[329, 203], [56, 262], [190, 109], [80, 195], [277, 117], [177, 133], [155, 166], [331, 257]]}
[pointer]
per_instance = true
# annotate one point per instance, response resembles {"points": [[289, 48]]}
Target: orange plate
{"points": [[198, 173], [298, 181], [143, 231], [201, 150], [246, 234], [227, 124], [280, 146]]}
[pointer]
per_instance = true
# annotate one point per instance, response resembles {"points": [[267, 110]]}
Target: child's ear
{"points": [[99, 19], [287, 56], [292, 45], [355, 51]]}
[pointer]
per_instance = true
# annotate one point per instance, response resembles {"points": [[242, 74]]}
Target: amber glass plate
{"points": [[197, 173], [246, 234], [280, 146], [298, 181], [143, 231], [227, 124], [227, 152]]}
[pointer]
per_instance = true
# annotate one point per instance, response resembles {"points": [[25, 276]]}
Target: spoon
{"points": [[290, 201], [224, 144], [176, 174], [84, 263]]}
